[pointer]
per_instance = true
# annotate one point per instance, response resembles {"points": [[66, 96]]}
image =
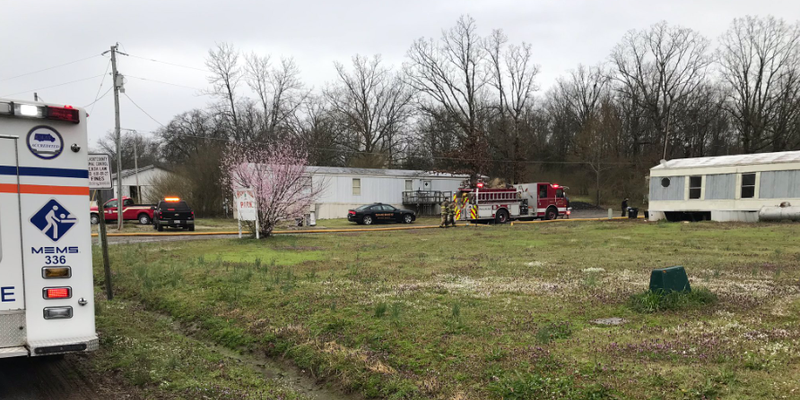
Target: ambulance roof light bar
{"points": [[14, 109]]}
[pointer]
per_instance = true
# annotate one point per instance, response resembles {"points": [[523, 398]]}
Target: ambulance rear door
{"points": [[12, 298]]}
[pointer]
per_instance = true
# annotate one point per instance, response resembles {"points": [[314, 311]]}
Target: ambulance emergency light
{"points": [[14, 109]]}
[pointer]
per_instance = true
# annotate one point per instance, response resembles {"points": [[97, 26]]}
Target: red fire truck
{"points": [[523, 201]]}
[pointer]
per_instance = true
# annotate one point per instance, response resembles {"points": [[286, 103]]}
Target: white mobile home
{"points": [[346, 188], [725, 188], [138, 184]]}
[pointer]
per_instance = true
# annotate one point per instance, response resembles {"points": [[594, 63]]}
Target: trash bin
{"points": [[633, 212], [647, 215]]}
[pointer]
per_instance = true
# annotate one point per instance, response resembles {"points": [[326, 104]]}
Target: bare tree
{"points": [[372, 104], [279, 89], [147, 149], [583, 91], [226, 73], [598, 141], [760, 59], [316, 131], [451, 76], [664, 64], [512, 74]]}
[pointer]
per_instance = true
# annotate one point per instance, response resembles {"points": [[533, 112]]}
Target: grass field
{"points": [[153, 356], [495, 312]]}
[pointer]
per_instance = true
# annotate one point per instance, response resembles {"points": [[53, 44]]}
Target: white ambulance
{"points": [[46, 289]]}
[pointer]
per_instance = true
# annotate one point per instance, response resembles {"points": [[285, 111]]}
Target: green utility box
{"points": [[669, 279]]}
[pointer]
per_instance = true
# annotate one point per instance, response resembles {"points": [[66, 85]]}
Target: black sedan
{"points": [[378, 212]]}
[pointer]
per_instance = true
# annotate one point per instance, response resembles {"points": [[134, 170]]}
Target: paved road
{"points": [[149, 239], [62, 378]]}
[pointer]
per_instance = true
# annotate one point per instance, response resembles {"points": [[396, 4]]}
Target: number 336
{"points": [[51, 260]]}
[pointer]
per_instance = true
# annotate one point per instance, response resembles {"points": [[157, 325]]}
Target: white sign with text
{"points": [[99, 171]]}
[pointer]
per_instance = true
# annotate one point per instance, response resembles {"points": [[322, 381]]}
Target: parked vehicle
{"points": [[174, 213], [130, 211], [378, 212], [524, 201], [46, 286]]}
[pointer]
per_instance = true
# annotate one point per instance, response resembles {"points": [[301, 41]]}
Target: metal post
{"points": [[136, 166], [116, 84], [104, 245]]}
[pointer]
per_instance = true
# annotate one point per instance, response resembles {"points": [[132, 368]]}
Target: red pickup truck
{"points": [[130, 211]]}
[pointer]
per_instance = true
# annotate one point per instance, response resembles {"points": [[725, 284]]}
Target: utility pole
{"points": [[117, 82]]}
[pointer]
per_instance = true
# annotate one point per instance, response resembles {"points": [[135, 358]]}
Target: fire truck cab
{"points": [[544, 200], [523, 201]]}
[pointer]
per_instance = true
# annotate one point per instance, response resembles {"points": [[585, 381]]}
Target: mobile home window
{"points": [[695, 186], [748, 186], [409, 184], [356, 187]]}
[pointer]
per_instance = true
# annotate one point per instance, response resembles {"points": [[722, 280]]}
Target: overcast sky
{"points": [[40, 34]]}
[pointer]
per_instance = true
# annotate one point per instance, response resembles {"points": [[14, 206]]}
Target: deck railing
{"points": [[422, 197]]}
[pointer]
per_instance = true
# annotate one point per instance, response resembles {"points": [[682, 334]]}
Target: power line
{"points": [[162, 82], [48, 68], [48, 87], [142, 110], [99, 88], [168, 63], [97, 99]]}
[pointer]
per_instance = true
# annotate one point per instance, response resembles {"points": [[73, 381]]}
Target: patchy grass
{"points": [[148, 351], [496, 312], [655, 301]]}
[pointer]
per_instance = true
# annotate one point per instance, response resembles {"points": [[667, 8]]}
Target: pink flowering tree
{"points": [[277, 174]]}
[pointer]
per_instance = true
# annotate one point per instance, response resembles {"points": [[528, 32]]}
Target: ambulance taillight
{"points": [[57, 293]]}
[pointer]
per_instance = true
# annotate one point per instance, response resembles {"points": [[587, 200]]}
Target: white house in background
{"points": [[147, 177], [725, 188], [346, 188]]}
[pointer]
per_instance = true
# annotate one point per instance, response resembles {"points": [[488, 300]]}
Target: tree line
{"points": [[469, 103]]}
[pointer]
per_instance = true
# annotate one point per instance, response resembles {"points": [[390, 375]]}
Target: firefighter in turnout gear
{"points": [[451, 213], [445, 206]]}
